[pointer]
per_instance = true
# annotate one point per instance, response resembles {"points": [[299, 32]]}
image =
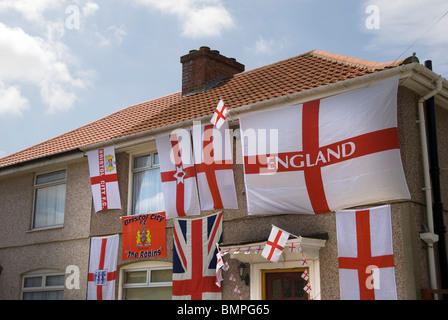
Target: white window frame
{"points": [[43, 274], [46, 185], [132, 156], [143, 266]]}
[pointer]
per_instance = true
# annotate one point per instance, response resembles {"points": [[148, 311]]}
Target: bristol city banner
{"points": [[144, 236], [103, 178], [324, 155]]}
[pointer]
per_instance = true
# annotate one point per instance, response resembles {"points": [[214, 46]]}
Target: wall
{"points": [[23, 250]]}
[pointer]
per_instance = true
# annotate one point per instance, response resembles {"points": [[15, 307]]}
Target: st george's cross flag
{"points": [[102, 268], [194, 257], [214, 167], [365, 254], [324, 155], [275, 245], [178, 174], [103, 178], [220, 115]]}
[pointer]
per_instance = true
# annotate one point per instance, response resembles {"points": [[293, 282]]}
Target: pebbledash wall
{"points": [[23, 251]]}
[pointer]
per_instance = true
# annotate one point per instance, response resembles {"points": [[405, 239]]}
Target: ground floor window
{"points": [[43, 285], [147, 281]]}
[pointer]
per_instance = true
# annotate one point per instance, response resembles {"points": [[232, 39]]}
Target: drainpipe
{"points": [[429, 237], [439, 226]]}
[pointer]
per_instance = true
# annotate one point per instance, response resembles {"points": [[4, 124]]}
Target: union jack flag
{"points": [[194, 257]]}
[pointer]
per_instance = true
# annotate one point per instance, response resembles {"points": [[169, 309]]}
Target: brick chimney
{"points": [[204, 68]]}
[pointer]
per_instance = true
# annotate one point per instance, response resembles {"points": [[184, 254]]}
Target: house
{"points": [[48, 217]]}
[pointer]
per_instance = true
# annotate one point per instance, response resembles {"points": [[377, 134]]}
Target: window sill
{"points": [[45, 228]]}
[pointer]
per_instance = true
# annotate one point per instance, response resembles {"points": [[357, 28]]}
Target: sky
{"points": [[66, 63]]}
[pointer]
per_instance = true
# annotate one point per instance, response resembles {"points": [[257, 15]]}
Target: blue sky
{"points": [[65, 63]]}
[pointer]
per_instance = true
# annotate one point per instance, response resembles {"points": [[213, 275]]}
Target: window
{"points": [[282, 285], [147, 284], [49, 199], [43, 286], [147, 194]]}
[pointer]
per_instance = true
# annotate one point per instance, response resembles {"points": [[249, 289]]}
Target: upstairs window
{"points": [[147, 194], [49, 199]]}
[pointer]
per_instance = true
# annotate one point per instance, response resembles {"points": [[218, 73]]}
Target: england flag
{"points": [[324, 155]]}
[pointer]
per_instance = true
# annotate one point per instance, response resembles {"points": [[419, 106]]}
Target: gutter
{"points": [[428, 237]]}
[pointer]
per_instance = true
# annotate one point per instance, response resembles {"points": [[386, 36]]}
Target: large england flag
{"points": [[194, 257], [324, 155], [178, 174], [214, 168], [102, 268], [103, 178], [365, 254]]}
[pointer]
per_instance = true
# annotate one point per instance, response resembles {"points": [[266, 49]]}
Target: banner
{"points": [[103, 178], [178, 174], [102, 268], [324, 155], [194, 257], [214, 169], [365, 254], [144, 236]]}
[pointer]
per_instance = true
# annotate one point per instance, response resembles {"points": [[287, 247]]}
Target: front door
{"points": [[284, 284]]}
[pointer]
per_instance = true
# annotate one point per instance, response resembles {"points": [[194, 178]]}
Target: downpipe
{"points": [[429, 237]]}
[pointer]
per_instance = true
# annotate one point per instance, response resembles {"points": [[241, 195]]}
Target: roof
{"points": [[309, 70]]}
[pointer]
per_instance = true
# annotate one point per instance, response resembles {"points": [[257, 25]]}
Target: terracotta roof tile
{"points": [[312, 69]]}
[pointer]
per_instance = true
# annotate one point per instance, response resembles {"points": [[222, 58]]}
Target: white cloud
{"points": [[266, 46], [11, 101], [90, 8], [32, 10], [112, 35], [198, 18], [34, 53], [40, 62]]}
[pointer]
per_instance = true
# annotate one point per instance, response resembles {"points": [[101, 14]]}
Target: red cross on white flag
{"points": [[102, 268], [178, 174], [365, 254], [305, 275], [103, 178], [220, 114], [214, 167], [324, 155], [307, 288], [275, 244]]}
